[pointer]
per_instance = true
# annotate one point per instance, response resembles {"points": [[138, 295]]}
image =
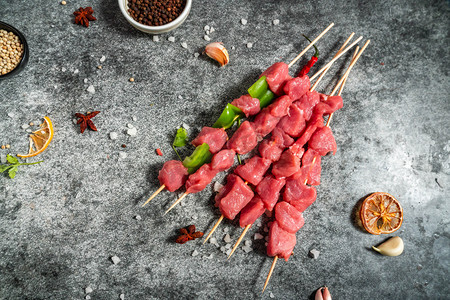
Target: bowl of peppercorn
{"points": [[155, 16], [13, 51]]}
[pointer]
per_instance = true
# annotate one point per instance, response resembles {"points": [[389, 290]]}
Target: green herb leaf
{"points": [[12, 172], [11, 159], [3, 168], [181, 138]]}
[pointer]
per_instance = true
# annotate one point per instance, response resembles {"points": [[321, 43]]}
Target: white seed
{"points": [[244, 21], [392, 247], [63, 2]]}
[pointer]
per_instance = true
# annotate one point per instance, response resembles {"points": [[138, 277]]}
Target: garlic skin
{"points": [[217, 52], [323, 294], [392, 247]]}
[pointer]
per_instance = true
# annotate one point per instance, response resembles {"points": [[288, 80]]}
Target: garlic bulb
{"points": [[323, 294], [392, 247], [218, 52]]}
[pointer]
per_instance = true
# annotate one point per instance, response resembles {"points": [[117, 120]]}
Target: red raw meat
{"points": [[276, 76], [269, 190], [281, 138], [249, 106], [297, 87], [244, 139], [214, 137], [288, 164], [264, 123], [310, 172], [332, 104], [307, 103], [281, 243], [269, 149], [288, 217], [173, 175], [315, 122], [223, 160], [200, 179], [235, 196], [280, 106], [298, 194], [322, 141], [251, 212], [254, 169], [294, 123]]}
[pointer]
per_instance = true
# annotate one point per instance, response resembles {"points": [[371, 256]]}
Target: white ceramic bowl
{"points": [[123, 4]]}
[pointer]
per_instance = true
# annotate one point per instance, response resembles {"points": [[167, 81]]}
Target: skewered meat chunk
{"points": [[288, 164], [280, 106], [281, 138], [200, 179], [244, 139], [322, 141], [233, 197], [329, 104], [298, 194], [315, 122], [288, 217], [264, 123], [173, 175], [249, 106], [214, 137], [269, 149], [269, 190], [281, 243], [294, 123], [297, 87], [223, 160], [252, 211], [307, 103], [276, 76], [311, 172], [254, 169]]}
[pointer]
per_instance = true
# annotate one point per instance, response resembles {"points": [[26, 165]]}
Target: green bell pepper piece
{"points": [[259, 88], [200, 156], [229, 115], [266, 99]]}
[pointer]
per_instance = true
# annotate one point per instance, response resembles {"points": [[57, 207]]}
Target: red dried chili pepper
{"points": [[159, 152], [311, 62]]}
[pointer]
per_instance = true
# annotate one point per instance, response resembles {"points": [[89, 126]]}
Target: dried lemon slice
{"points": [[40, 139], [381, 213]]}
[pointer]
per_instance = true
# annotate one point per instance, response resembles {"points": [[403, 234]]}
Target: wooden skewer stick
{"points": [[154, 194], [310, 45], [213, 229], [176, 202], [354, 60], [239, 240], [270, 272], [312, 89], [335, 58]]}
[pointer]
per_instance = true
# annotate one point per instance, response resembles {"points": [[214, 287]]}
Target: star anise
{"points": [[85, 121], [84, 15], [188, 234]]}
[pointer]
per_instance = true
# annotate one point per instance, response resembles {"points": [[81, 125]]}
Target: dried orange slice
{"points": [[381, 213], [40, 139]]}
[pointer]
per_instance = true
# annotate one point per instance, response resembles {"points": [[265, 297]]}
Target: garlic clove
{"points": [[218, 52], [392, 247], [323, 294]]}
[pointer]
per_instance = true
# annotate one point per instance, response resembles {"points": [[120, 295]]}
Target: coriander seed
{"points": [[11, 51]]}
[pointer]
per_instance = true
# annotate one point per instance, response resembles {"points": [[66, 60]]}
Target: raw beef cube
{"points": [[280, 106], [235, 197], [254, 169], [294, 123], [299, 194], [297, 87], [281, 138], [223, 160], [288, 217], [251, 212], [173, 175], [288, 164], [264, 123], [332, 104], [249, 106], [322, 141], [200, 179], [269, 190], [281, 243], [214, 137], [276, 76], [244, 139], [269, 149], [307, 103]]}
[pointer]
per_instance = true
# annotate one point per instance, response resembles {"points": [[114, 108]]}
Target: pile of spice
{"points": [[11, 51], [155, 12]]}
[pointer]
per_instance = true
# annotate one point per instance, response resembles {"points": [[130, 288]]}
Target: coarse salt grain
{"points": [[271, 295], [247, 249], [207, 32], [63, 69], [88, 290], [138, 217], [156, 38], [196, 54], [171, 39], [11, 115], [184, 45], [314, 254], [134, 118], [227, 246], [91, 89], [212, 30], [123, 155], [276, 22], [115, 259], [113, 135], [103, 58], [180, 97], [76, 71], [122, 296], [130, 125], [249, 45], [227, 238], [87, 297], [132, 131], [244, 21], [212, 240], [258, 236], [228, 252], [195, 253], [226, 229], [248, 243], [232, 47], [207, 38], [25, 126], [206, 28], [85, 80], [217, 186]]}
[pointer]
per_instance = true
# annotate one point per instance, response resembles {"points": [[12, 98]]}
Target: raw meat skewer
{"points": [[247, 227], [341, 81], [290, 64]]}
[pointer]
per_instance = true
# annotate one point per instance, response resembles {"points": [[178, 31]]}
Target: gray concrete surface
{"points": [[63, 220]]}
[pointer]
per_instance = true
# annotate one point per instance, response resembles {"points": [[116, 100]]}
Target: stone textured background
{"points": [[62, 221]]}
